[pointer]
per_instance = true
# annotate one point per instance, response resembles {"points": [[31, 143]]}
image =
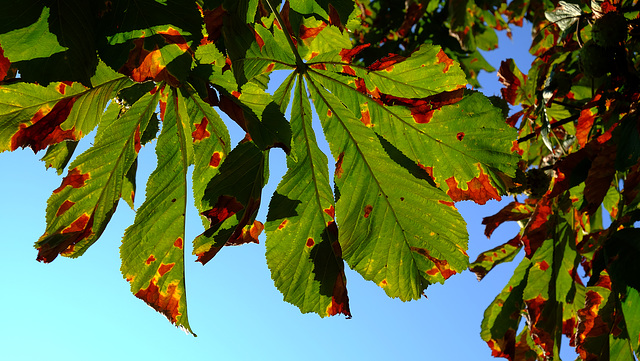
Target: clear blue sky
{"points": [[82, 309]]}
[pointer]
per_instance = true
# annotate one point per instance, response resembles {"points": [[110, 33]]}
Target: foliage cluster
{"points": [[409, 137]]}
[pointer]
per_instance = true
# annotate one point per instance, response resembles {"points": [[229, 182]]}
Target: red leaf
{"points": [[512, 81], [599, 179], [583, 128], [213, 20], [5, 64], [536, 231]]}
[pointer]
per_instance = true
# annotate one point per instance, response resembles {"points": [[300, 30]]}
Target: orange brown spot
{"points": [[447, 203], [201, 131], [270, 67], [460, 136], [167, 303], [348, 54], [225, 207], [310, 33], [479, 189], [543, 265], [443, 58], [64, 207], [440, 266], [164, 268], [331, 211], [215, 159], [173, 36], [45, 130], [77, 225], [339, 171], [367, 210], [310, 242], [136, 140], [283, 224], [366, 117], [74, 179], [348, 70]]}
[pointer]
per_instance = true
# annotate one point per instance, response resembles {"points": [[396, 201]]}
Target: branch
{"points": [[299, 63], [554, 125]]}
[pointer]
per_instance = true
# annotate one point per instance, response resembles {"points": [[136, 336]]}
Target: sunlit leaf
{"points": [[303, 252], [78, 211], [152, 249]]}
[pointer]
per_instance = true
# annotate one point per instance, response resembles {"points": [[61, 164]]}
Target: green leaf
{"points": [[231, 200], [564, 15], [502, 317], [152, 249], [59, 46], [211, 145], [58, 155], [303, 252], [461, 142], [381, 235], [79, 210]]}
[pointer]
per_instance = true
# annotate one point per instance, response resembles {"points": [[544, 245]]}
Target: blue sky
{"points": [[82, 309]]}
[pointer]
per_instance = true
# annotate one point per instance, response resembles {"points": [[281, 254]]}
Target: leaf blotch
{"points": [[178, 243], [167, 303], [270, 67], [443, 58], [440, 266], [74, 179], [201, 131], [225, 207], [339, 171], [45, 130], [479, 189], [283, 224], [78, 225], [543, 265], [447, 203], [150, 260], [367, 210], [136, 140], [331, 211], [64, 207], [216, 158], [366, 118], [164, 268]]}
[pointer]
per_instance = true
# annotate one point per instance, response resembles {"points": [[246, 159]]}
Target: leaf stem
{"points": [[299, 63]]}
